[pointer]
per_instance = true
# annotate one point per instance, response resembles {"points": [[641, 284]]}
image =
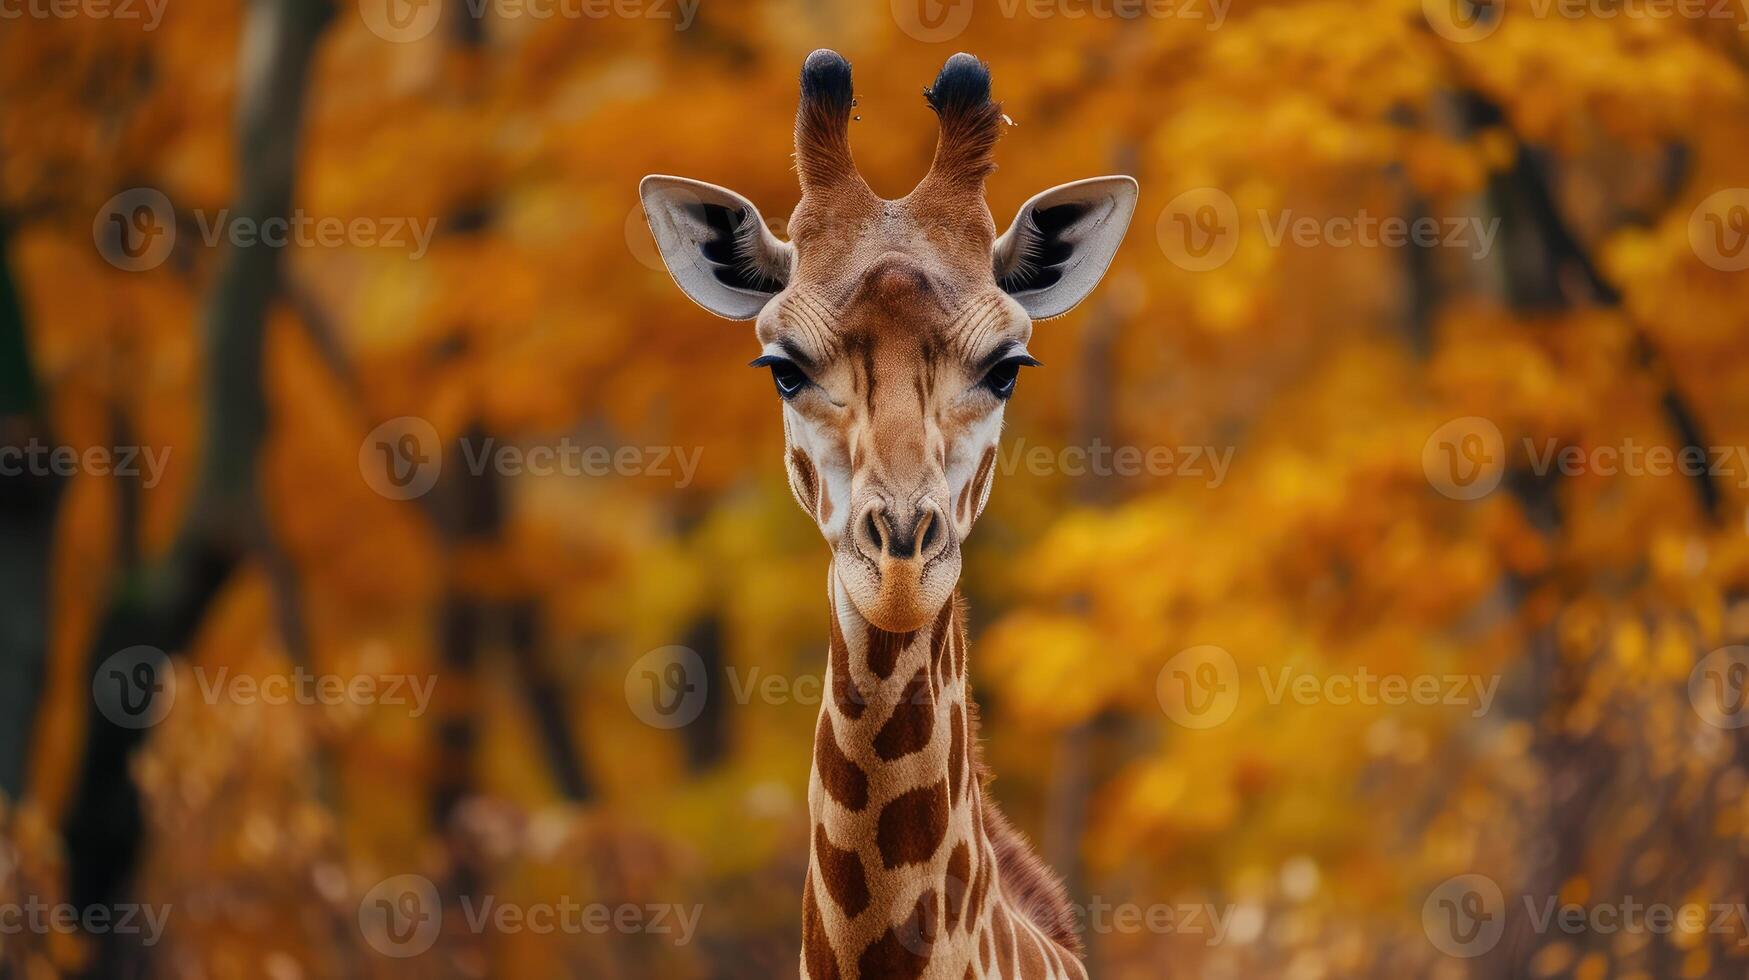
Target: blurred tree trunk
{"points": [[161, 602], [470, 512], [1544, 268], [707, 738], [27, 508]]}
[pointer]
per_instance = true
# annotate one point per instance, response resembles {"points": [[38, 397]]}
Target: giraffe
{"points": [[895, 331]]}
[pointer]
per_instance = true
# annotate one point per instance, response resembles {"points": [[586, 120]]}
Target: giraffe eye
{"points": [[790, 380], [1001, 379]]}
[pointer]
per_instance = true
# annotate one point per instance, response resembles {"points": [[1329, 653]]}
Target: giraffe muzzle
{"points": [[908, 561]]}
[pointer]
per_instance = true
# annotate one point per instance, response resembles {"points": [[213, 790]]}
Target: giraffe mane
{"points": [[1030, 885]]}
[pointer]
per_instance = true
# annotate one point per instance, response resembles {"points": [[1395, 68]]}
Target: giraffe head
{"points": [[894, 330]]}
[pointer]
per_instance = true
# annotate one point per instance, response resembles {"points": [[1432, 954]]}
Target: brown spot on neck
{"points": [[912, 827], [842, 872], [816, 946], [912, 722], [903, 951], [844, 781], [884, 649]]}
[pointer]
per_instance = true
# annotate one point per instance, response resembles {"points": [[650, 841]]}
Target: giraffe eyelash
{"points": [[790, 379], [1002, 376]]}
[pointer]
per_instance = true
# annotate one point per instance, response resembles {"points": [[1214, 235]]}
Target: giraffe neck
{"points": [[895, 825], [904, 875]]}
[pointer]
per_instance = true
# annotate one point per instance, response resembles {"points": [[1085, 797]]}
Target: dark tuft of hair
{"points": [[823, 121], [962, 86], [826, 80], [970, 121]]}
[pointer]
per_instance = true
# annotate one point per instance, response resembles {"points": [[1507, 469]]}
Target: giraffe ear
{"points": [[715, 244], [1061, 242]]}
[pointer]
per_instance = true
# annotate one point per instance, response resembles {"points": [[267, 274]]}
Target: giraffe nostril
{"points": [[873, 526], [913, 532]]}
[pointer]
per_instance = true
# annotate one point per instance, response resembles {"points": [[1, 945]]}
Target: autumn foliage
{"points": [[1314, 376]]}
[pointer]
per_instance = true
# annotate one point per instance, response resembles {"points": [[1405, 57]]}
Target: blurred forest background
{"points": [[1596, 140]]}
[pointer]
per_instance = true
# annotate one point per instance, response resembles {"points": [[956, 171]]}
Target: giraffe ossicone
{"points": [[895, 331]]}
